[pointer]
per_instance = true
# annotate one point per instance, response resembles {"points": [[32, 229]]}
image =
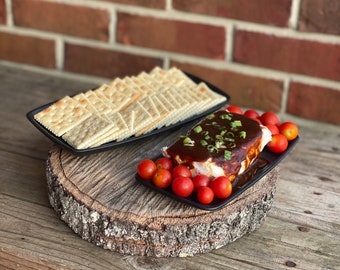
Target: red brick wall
{"points": [[281, 55]]}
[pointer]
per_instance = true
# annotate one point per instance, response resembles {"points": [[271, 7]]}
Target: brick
{"points": [[62, 18], [27, 50], [106, 63], [322, 16], [314, 102], [259, 11], [171, 35], [158, 4], [244, 90], [300, 56], [3, 16]]}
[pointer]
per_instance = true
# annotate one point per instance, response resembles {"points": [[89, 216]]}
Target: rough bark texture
{"points": [[149, 228]]}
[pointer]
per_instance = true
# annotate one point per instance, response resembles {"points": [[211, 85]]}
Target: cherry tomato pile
{"points": [[163, 174], [282, 133]]}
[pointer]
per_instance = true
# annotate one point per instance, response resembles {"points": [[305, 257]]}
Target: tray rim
{"points": [[114, 144]]}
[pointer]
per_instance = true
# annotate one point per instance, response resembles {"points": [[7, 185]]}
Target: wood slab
{"points": [[98, 197]]}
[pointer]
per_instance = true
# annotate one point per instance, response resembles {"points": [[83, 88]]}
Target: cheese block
{"points": [[222, 144]]}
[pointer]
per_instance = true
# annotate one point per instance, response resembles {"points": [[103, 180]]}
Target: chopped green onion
{"points": [[226, 116], [229, 139], [235, 124], [227, 155], [210, 116], [219, 137], [212, 148], [188, 142], [219, 144], [231, 145], [223, 132], [205, 132], [207, 137], [204, 143], [198, 129], [243, 134]]}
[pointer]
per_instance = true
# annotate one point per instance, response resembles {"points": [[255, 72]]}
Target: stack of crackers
{"points": [[126, 107]]}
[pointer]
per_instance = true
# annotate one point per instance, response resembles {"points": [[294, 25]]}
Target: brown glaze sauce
{"points": [[223, 136], [242, 179]]}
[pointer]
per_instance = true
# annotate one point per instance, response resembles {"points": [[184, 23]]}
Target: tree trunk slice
{"points": [[98, 197]]}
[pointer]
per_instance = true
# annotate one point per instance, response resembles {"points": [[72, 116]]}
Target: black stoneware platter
{"points": [[266, 161], [113, 144]]}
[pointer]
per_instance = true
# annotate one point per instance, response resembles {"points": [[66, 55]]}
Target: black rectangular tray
{"points": [[113, 144], [266, 161]]}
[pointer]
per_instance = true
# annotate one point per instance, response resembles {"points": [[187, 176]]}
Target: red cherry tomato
{"points": [[273, 129], [221, 187], [164, 163], [146, 169], [289, 130], [182, 186], [278, 144], [200, 180], [234, 109], [181, 170], [269, 118], [162, 178], [251, 114], [205, 195]]}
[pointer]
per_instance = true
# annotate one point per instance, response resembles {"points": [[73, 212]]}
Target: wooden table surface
{"points": [[301, 231]]}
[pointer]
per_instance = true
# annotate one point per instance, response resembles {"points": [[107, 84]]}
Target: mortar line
{"points": [[229, 46], [285, 94], [294, 14], [168, 5], [112, 25], [9, 13], [59, 53], [166, 62]]}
